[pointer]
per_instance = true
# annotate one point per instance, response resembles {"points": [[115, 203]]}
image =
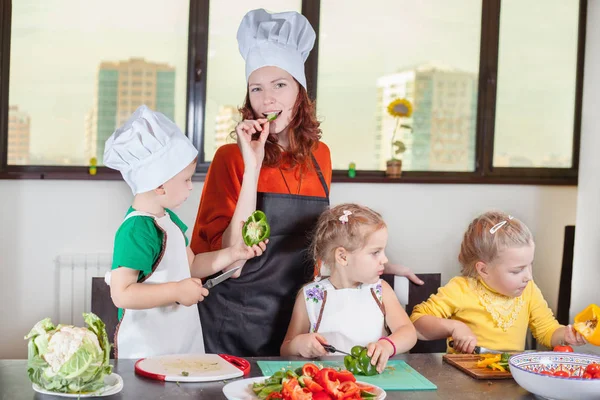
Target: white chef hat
{"points": [[281, 40], [148, 150]]}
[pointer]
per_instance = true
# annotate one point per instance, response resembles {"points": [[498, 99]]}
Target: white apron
{"points": [[345, 317], [171, 329]]}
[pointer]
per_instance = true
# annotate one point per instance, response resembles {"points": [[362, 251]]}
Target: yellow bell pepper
{"points": [[488, 361], [496, 366], [586, 323]]}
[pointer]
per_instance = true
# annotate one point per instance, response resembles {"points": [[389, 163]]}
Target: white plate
{"points": [[242, 389], [113, 382]]}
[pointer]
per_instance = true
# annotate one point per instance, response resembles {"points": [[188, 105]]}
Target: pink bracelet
{"points": [[392, 343]]}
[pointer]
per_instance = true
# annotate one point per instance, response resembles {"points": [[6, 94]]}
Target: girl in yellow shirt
{"points": [[495, 300]]}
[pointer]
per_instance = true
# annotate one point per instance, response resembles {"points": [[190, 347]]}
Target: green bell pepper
{"points": [[256, 229], [359, 363]]}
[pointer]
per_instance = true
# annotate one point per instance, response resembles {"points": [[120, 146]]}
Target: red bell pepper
{"points": [[322, 396], [349, 390], [310, 369], [344, 376], [310, 384]]}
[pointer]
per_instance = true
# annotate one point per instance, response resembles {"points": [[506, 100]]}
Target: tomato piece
{"points": [[563, 349], [310, 369], [274, 395], [563, 374], [593, 369]]}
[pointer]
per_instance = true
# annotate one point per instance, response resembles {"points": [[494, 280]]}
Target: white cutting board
{"points": [[199, 367]]}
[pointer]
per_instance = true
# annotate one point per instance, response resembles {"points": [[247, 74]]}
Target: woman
{"points": [[287, 175]]}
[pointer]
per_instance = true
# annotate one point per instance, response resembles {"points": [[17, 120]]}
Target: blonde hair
{"points": [[331, 233], [487, 235]]}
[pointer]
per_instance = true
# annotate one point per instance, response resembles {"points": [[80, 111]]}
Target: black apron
{"points": [[249, 316]]}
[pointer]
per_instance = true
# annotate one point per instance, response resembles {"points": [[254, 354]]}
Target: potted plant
{"points": [[399, 109]]}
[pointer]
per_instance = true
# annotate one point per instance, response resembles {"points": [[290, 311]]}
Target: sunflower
{"points": [[400, 108]]}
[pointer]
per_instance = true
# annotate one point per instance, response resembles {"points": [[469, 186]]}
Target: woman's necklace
{"points": [[286, 184]]}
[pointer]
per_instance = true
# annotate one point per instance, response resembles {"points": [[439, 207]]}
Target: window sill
{"points": [[507, 176]]}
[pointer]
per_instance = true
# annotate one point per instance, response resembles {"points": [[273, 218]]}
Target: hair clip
{"points": [[499, 225], [344, 218]]}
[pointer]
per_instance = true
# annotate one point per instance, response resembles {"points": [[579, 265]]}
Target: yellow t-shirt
{"points": [[499, 322]]}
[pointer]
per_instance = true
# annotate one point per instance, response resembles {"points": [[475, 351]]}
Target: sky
{"points": [[57, 45]]}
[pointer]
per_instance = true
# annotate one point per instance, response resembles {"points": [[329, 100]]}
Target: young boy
{"points": [[155, 278]]}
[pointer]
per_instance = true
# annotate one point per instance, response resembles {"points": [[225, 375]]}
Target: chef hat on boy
{"points": [[148, 150], [281, 40]]}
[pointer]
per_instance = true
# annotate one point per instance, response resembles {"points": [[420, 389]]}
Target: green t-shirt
{"points": [[138, 243]]}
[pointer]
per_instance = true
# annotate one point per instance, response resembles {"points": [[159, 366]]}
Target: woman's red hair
{"points": [[304, 133]]}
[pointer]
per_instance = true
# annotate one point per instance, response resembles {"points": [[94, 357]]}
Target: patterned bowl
{"points": [[527, 370]]}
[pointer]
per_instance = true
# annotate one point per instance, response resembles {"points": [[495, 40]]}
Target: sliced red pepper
{"points": [[327, 379], [291, 390], [288, 387], [365, 387], [321, 396], [274, 395], [311, 385], [349, 390], [345, 376], [310, 369]]}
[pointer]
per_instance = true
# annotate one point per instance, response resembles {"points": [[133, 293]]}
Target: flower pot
{"points": [[394, 169]]}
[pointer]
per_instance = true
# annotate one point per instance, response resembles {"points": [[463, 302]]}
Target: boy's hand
{"points": [[572, 337], [464, 338], [190, 291], [309, 345], [380, 353]]}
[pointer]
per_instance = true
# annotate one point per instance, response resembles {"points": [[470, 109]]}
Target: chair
{"points": [[566, 275], [409, 295], [104, 308]]}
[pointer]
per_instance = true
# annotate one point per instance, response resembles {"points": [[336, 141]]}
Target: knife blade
{"points": [[209, 284], [332, 349], [481, 350]]}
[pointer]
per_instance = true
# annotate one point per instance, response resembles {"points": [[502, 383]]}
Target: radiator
{"points": [[74, 273]]}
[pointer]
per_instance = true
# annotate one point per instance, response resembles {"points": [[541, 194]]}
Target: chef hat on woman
{"points": [[281, 40]]}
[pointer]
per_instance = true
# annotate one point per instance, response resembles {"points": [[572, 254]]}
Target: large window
{"points": [[537, 71], [495, 85], [424, 51], [79, 69]]}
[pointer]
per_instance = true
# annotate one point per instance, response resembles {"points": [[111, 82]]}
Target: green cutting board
{"points": [[398, 375]]}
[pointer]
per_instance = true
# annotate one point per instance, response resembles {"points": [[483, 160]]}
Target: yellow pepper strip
{"points": [[488, 361], [495, 366], [586, 323]]}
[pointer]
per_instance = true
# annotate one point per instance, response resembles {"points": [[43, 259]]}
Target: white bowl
{"points": [[526, 368]]}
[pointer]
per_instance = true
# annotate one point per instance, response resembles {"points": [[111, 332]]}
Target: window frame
{"points": [[484, 172]]}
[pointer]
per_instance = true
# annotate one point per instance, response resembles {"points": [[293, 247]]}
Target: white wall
{"points": [[586, 262], [42, 219]]}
